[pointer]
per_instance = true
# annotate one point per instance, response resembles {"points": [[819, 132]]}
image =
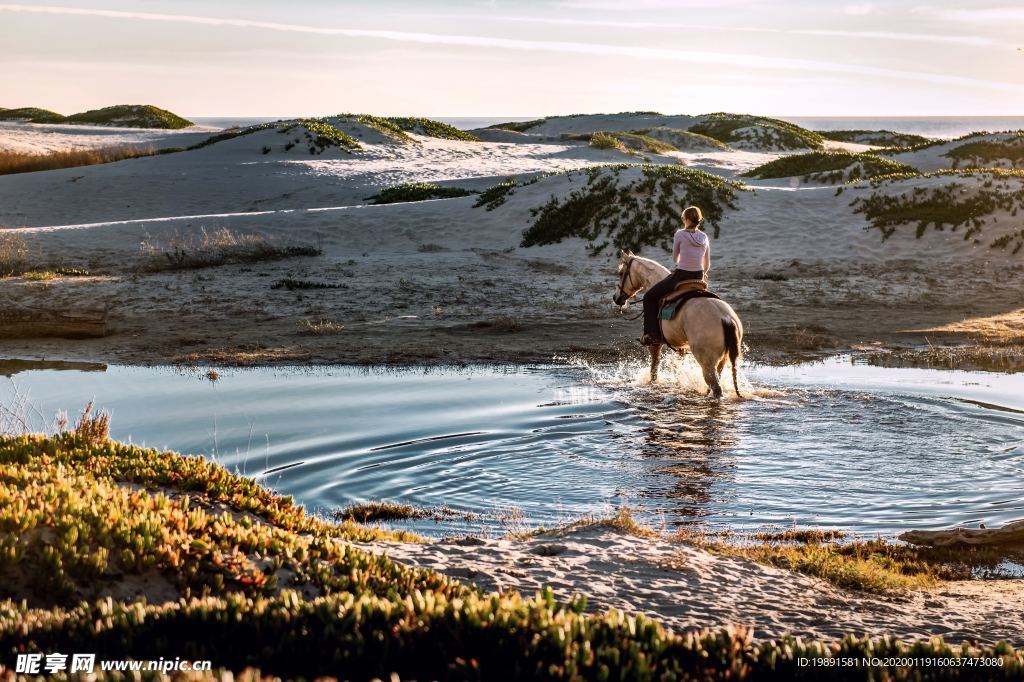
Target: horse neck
{"points": [[648, 272]]}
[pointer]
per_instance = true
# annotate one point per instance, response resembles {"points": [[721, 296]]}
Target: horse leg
{"points": [[710, 368], [655, 358]]}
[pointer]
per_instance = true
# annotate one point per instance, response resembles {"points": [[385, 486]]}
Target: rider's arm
{"points": [[675, 250], [707, 257]]}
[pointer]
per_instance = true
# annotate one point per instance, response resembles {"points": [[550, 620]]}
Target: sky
{"points": [[517, 57]]}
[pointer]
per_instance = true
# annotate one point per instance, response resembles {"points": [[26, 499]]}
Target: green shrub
{"points": [[830, 166], [610, 211], [417, 191], [777, 133], [606, 141]]}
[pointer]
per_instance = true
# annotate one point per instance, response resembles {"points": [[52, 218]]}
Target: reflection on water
{"points": [[835, 444]]}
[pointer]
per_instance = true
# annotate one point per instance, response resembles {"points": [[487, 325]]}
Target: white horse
{"points": [[709, 326]]}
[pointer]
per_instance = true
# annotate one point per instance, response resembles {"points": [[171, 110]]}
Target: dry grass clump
{"points": [[20, 162], [369, 512], [13, 254], [212, 248], [320, 327], [606, 141], [93, 427]]}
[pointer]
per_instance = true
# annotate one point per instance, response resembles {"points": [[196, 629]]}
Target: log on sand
{"points": [[1012, 534], [22, 322]]}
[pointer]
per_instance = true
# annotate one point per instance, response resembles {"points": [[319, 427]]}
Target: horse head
{"points": [[629, 283]]}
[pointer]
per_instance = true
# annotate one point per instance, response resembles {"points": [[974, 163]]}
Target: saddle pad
{"points": [[669, 309]]}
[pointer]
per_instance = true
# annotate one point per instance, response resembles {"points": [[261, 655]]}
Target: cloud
{"points": [[969, 40], [979, 15], [859, 9], [747, 61], [974, 41]]}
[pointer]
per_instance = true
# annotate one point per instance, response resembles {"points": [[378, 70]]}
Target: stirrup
{"points": [[650, 340]]}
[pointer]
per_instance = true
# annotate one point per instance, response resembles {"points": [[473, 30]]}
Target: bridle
{"points": [[622, 291]]}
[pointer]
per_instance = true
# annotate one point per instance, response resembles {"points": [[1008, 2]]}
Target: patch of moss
{"points": [[417, 191], [830, 167], [772, 132]]}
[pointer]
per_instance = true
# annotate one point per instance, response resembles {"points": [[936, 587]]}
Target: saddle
{"points": [[687, 290]]}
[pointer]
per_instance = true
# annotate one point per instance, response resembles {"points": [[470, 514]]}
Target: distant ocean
{"points": [[928, 126]]}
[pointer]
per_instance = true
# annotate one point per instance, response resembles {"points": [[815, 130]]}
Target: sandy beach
{"points": [[444, 281]]}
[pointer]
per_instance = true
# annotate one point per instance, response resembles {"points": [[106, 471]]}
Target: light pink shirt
{"points": [[691, 251]]}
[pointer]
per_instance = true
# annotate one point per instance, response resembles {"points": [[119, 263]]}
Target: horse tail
{"points": [[732, 344]]}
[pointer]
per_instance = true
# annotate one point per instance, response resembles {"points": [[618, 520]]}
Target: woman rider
{"points": [[691, 252]]}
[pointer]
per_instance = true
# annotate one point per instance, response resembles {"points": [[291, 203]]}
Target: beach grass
{"points": [[830, 167], [212, 248], [23, 162], [627, 142], [14, 253]]}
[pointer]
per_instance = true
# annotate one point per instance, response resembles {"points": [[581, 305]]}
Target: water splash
{"points": [[679, 377]]}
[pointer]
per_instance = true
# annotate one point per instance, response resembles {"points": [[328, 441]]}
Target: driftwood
{"points": [[22, 322], [1009, 535]]}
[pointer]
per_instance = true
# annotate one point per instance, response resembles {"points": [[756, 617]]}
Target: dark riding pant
{"points": [[652, 299]]}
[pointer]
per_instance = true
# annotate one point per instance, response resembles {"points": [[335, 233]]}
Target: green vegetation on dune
{"points": [[955, 204], [431, 128], [983, 153], [417, 191], [892, 151], [830, 166], [770, 132], [627, 142], [242, 576], [523, 126], [131, 116], [322, 135], [682, 139], [881, 138], [318, 133], [31, 114], [612, 211]]}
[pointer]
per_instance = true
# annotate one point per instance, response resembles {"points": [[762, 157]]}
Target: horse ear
{"points": [[623, 253]]}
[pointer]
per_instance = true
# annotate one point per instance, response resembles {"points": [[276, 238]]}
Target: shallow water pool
{"points": [[833, 445]]}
